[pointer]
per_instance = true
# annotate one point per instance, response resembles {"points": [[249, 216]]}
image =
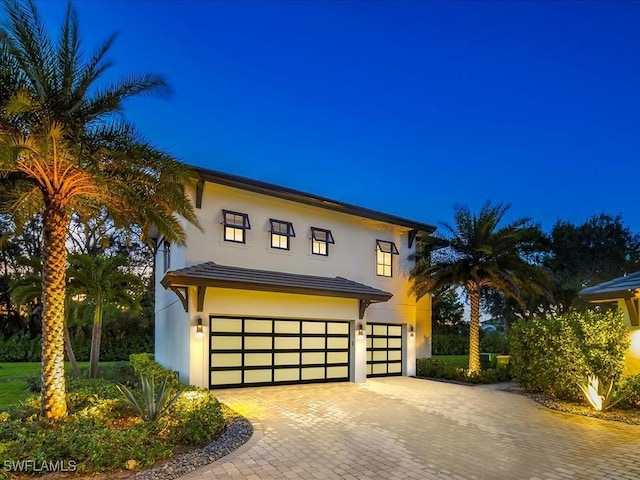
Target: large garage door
{"points": [[384, 350], [264, 351]]}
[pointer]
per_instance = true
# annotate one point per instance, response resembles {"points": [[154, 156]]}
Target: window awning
{"points": [[211, 274]]}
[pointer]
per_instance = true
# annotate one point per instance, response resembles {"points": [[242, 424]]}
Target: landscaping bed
{"points": [[107, 436]]}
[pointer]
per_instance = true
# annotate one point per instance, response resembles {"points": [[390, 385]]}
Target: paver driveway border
{"points": [[401, 428]]}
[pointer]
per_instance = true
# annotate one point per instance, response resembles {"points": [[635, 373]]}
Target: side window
{"points": [[320, 240], [384, 258], [281, 232], [235, 226], [166, 255]]}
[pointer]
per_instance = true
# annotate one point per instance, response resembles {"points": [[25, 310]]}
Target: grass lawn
{"points": [[13, 379], [454, 360]]}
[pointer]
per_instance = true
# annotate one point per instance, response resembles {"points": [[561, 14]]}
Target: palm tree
{"points": [[27, 290], [479, 256], [65, 148], [100, 281]]}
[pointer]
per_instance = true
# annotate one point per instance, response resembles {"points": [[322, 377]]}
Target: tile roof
{"points": [[210, 274], [621, 287]]}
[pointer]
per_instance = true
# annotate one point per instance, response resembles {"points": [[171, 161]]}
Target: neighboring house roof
{"points": [[621, 287], [307, 198], [210, 274]]}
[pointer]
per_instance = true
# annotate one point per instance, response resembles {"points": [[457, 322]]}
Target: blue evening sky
{"points": [[405, 107]]}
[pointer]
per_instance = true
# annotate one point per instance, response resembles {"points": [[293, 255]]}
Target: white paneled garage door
{"points": [[384, 350], [268, 351]]}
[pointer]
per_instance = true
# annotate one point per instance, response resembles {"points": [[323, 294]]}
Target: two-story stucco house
{"points": [[287, 287]]}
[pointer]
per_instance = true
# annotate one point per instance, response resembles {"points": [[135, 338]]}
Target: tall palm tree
{"points": [[27, 289], [65, 148], [479, 255], [100, 281]]}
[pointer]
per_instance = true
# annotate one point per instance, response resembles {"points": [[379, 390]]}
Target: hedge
{"points": [[21, 348], [551, 355]]}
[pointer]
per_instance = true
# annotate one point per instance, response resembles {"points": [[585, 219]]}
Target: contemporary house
{"points": [[287, 287], [625, 293]]}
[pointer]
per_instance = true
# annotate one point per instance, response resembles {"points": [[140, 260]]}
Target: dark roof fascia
{"points": [[611, 295], [298, 196], [172, 279]]}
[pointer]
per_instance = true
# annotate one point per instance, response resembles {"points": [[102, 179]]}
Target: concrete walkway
{"points": [[404, 428]]}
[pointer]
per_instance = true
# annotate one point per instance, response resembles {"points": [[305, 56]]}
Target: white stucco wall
{"points": [[353, 256]]}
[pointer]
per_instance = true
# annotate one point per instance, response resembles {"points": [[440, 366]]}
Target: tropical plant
{"points": [[100, 281], [154, 403], [599, 397], [27, 289], [65, 148], [479, 255]]}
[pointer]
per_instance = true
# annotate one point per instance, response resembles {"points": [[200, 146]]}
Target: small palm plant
{"points": [[598, 397], [154, 404]]}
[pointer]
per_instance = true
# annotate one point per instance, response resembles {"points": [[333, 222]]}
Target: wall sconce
{"points": [[360, 331], [412, 333], [199, 331]]}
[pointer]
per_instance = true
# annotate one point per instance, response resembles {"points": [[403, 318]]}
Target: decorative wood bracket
{"points": [[183, 295], [199, 190], [200, 302], [412, 236], [362, 307], [633, 311]]}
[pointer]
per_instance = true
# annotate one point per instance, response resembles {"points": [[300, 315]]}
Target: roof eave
{"points": [[172, 280], [308, 199], [613, 295]]}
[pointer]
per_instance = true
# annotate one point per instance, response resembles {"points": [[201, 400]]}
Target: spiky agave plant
{"points": [[154, 403], [598, 397]]}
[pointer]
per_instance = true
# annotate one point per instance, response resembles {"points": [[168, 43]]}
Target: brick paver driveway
{"points": [[396, 428]]}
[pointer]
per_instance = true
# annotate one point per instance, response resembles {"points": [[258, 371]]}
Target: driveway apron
{"points": [[407, 428]]}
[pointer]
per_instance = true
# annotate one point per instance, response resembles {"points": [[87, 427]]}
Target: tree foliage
{"points": [[580, 256], [66, 148], [480, 255]]}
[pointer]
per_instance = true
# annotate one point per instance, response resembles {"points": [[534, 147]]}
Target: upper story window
{"points": [[166, 255], [281, 232], [384, 255], [235, 226], [320, 240]]}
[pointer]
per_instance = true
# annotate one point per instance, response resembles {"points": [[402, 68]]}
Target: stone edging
{"points": [[237, 432]]}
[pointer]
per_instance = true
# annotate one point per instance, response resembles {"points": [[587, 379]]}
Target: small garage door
{"points": [[265, 351], [384, 350]]}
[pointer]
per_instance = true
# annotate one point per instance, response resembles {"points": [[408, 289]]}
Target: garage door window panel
{"points": [[269, 351]]}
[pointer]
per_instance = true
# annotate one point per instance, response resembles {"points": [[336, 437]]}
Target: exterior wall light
{"points": [[412, 332], [199, 331], [360, 330]]}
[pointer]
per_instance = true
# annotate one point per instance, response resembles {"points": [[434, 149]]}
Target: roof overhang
{"points": [[298, 196], [212, 275], [609, 295]]}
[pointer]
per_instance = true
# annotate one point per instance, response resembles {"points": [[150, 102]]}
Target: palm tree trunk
{"points": [[96, 336], [70, 355], [474, 330], [54, 402]]}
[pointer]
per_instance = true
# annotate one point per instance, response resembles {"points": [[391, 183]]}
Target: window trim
{"points": [[290, 233], [389, 248], [246, 225], [327, 240]]}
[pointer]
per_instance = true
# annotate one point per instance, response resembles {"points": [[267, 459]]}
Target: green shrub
{"points": [[552, 355], [20, 348], [450, 344], [100, 433], [436, 368], [195, 418], [144, 365], [495, 342]]}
